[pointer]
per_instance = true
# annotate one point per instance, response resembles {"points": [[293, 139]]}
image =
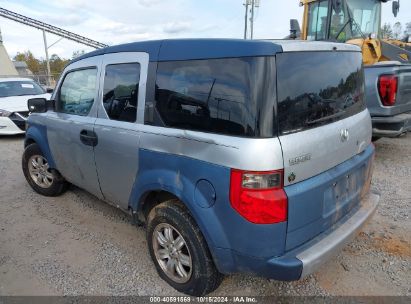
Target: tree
{"points": [[386, 31], [39, 66], [57, 64], [33, 64], [397, 30]]}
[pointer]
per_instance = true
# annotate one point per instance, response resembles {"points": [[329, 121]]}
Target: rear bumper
{"points": [[8, 127], [391, 126], [329, 245], [307, 258]]}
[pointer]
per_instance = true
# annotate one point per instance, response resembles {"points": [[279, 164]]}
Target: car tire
{"points": [[42, 179], [191, 251]]}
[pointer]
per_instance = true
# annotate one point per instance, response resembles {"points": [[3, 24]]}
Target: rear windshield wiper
{"points": [[322, 119]]}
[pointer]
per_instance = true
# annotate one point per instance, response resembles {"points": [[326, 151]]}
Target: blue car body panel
{"points": [[215, 48], [195, 166], [221, 225], [38, 133], [189, 49], [241, 246], [315, 194]]}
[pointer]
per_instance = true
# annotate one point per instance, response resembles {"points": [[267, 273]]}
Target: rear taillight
{"points": [[259, 197], [387, 87]]}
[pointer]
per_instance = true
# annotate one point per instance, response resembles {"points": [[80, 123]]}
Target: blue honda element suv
{"points": [[237, 156]]}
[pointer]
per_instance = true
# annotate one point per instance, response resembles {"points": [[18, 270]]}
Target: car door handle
{"points": [[89, 138]]}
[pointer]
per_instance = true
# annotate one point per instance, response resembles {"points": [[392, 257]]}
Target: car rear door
{"points": [[324, 131], [120, 113], [70, 127]]}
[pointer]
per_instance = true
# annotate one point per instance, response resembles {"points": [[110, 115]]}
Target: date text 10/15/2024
{"points": [[187, 299]]}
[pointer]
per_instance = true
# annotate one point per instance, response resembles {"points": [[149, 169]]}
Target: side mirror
{"points": [[395, 8], [37, 105], [295, 30], [49, 90]]}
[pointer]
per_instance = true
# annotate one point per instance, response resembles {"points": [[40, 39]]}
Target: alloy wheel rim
{"points": [[40, 172], [172, 253]]}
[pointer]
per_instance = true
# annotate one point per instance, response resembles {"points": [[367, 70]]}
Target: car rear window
{"points": [[231, 96], [318, 88]]}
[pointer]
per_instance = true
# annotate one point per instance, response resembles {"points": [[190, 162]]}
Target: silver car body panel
{"points": [[314, 46], [116, 158], [229, 151], [322, 148], [323, 144], [110, 169], [63, 133], [74, 160], [116, 154]]}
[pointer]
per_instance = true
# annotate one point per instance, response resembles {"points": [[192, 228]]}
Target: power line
{"points": [[50, 29]]}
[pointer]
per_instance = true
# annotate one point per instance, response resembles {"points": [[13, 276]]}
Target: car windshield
{"points": [[349, 19], [19, 88], [356, 19]]}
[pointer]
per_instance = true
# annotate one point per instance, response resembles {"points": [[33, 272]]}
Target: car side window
{"points": [[318, 12], [120, 96], [77, 92], [230, 96]]}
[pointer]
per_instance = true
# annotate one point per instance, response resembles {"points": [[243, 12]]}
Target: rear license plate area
{"points": [[343, 194]]}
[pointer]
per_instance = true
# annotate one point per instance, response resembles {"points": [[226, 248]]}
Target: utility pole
{"points": [[246, 4], [252, 18], [47, 58]]}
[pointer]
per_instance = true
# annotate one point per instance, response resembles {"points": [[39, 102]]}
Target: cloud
{"points": [[62, 20], [176, 27], [149, 2], [119, 28], [122, 21]]}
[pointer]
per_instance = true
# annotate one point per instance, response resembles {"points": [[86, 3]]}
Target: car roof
{"points": [[15, 79], [191, 49]]}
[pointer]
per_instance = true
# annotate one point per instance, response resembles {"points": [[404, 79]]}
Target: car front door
{"points": [[70, 127], [123, 85]]}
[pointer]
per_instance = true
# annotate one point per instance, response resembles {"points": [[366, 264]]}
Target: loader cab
{"points": [[341, 20]]}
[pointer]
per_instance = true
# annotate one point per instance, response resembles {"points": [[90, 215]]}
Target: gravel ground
{"points": [[78, 245]]}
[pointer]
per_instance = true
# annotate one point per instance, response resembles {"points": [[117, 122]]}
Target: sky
{"points": [[121, 21]]}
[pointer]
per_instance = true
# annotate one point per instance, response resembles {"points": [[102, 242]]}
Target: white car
{"points": [[14, 93]]}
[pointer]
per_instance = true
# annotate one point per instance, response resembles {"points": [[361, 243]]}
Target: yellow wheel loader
{"points": [[387, 61]]}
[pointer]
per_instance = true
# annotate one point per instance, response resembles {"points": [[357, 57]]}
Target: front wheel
{"points": [[179, 251], [39, 175]]}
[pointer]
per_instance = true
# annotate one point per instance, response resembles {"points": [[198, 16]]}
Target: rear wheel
{"points": [[39, 175], [179, 251]]}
